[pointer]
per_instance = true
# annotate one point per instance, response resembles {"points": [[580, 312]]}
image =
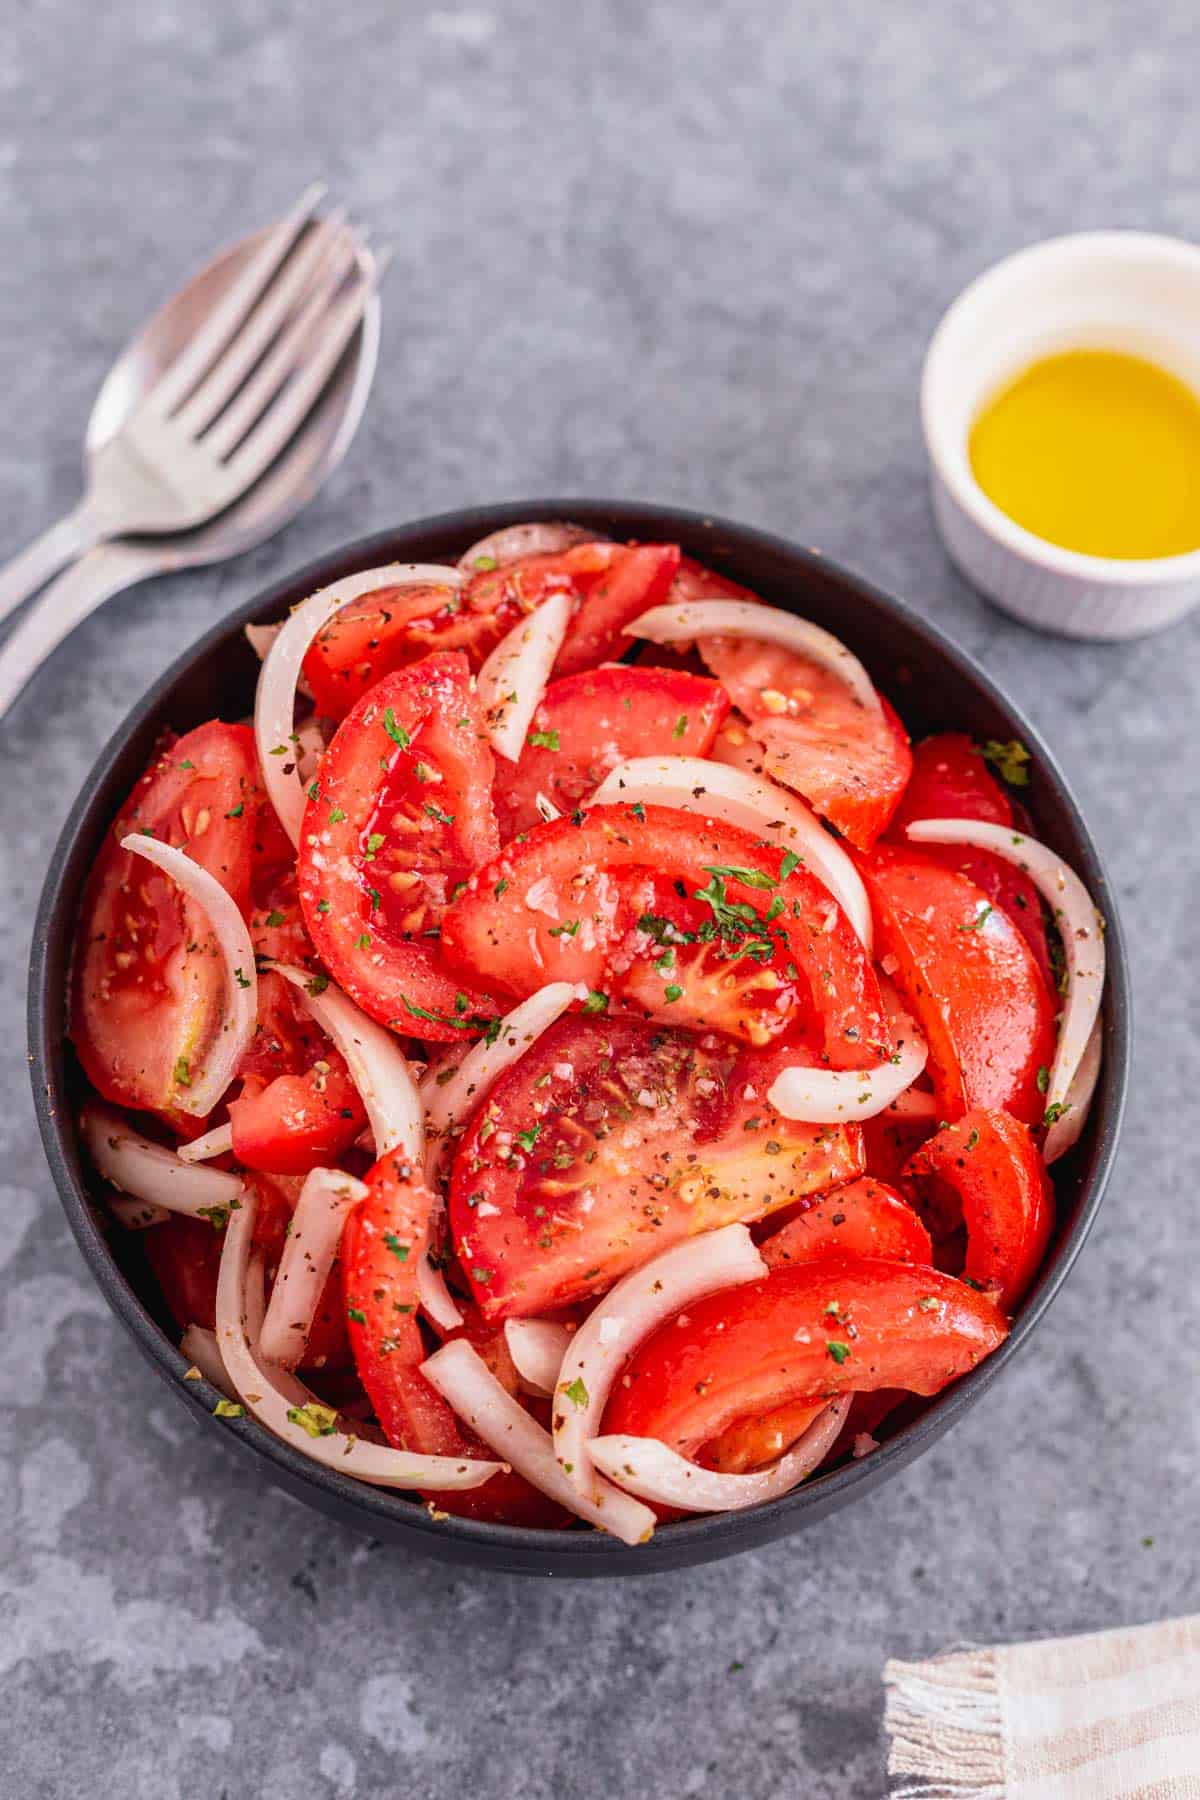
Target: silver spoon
{"points": [[288, 485]]}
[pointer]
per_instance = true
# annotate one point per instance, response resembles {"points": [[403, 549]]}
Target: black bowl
{"points": [[934, 685]]}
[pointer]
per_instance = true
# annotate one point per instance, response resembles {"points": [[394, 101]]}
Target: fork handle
{"points": [[79, 590], [32, 568]]}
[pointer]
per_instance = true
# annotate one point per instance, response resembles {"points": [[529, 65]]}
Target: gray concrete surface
{"points": [[691, 252]]}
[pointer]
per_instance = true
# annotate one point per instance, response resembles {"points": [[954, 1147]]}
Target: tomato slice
{"points": [[147, 992], [399, 815], [382, 1244], [298, 1107], [638, 577], [586, 724], [970, 980], [607, 1142], [987, 1170], [808, 1332], [848, 762], [693, 581], [670, 911], [864, 1218], [950, 780]]}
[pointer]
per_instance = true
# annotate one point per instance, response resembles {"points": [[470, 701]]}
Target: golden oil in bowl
{"points": [[1096, 451]]}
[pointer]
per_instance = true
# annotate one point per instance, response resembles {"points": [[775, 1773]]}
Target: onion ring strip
{"points": [[465, 1382], [655, 1472], [449, 1101], [275, 700], [260, 1391], [309, 1250], [513, 542], [719, 791], [150, 1173], [537, 1348], [512, 681], [687, 620], [1080, 927], [616, 1325], [237, 966]]}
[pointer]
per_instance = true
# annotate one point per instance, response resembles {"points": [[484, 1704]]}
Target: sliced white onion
{"points": [[449, 1102], [512, 542], [655, 1472], [1080, 927], [914, 1103], [137, 1215], [833, 1096], [628, 1313], [260, 638], [546, 808], [275, 701], [310, 748], [260, 1389], [200, 1347], [1066, 1130], [378, 1067], [152, 1175], [379, 1070], [237, 966], [465, 1382], [213, 1143], [512, 681], [537, 1347], [308, 1255], [687, 620], [717, 791]]}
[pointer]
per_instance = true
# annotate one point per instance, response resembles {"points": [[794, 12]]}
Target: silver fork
{"points": [[228, 404]]}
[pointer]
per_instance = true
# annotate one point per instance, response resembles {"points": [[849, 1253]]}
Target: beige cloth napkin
{"points": [[1111, 1716]]}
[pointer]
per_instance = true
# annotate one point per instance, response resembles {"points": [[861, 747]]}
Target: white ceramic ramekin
{"points": [[1112, 290]]}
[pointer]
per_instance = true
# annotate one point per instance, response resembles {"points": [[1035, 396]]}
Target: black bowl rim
{"points": [[575, 1553]]}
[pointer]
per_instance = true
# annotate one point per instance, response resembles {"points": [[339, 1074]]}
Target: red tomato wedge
{"points": [[382, 1244], [607, 1142], [693, 581], [950, 780], [970, 980], [147, 992], [638, 578], [864, 1218], [684, 918], [398, 817], [847, 761], [754, 1442], [586, 724], [987, 1170], [808, 1332], [298, 1108]]}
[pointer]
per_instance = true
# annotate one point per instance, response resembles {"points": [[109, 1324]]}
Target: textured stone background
{"points": [[691, 252]]}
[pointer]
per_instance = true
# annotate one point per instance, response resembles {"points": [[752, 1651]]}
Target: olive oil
{"points": [[1096, 451]]}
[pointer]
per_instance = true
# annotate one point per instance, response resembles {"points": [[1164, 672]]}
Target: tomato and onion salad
{"points": [[571, 1058]]}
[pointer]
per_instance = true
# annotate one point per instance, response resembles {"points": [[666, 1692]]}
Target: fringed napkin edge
{"points": [[944, 1720]]}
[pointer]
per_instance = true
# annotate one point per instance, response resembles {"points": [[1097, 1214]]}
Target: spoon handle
{"points": [[79, 590], [32, 567]]}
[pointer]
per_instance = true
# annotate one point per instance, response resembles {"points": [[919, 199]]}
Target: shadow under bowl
{"points": [[934, 685]]}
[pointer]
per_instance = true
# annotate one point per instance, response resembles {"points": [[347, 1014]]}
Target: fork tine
{"points": [[281, 422], [286, 354], [202, 351], [231, 368]]}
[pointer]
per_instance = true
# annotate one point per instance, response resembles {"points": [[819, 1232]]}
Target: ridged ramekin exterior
{"points": [[1051, 599]]}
